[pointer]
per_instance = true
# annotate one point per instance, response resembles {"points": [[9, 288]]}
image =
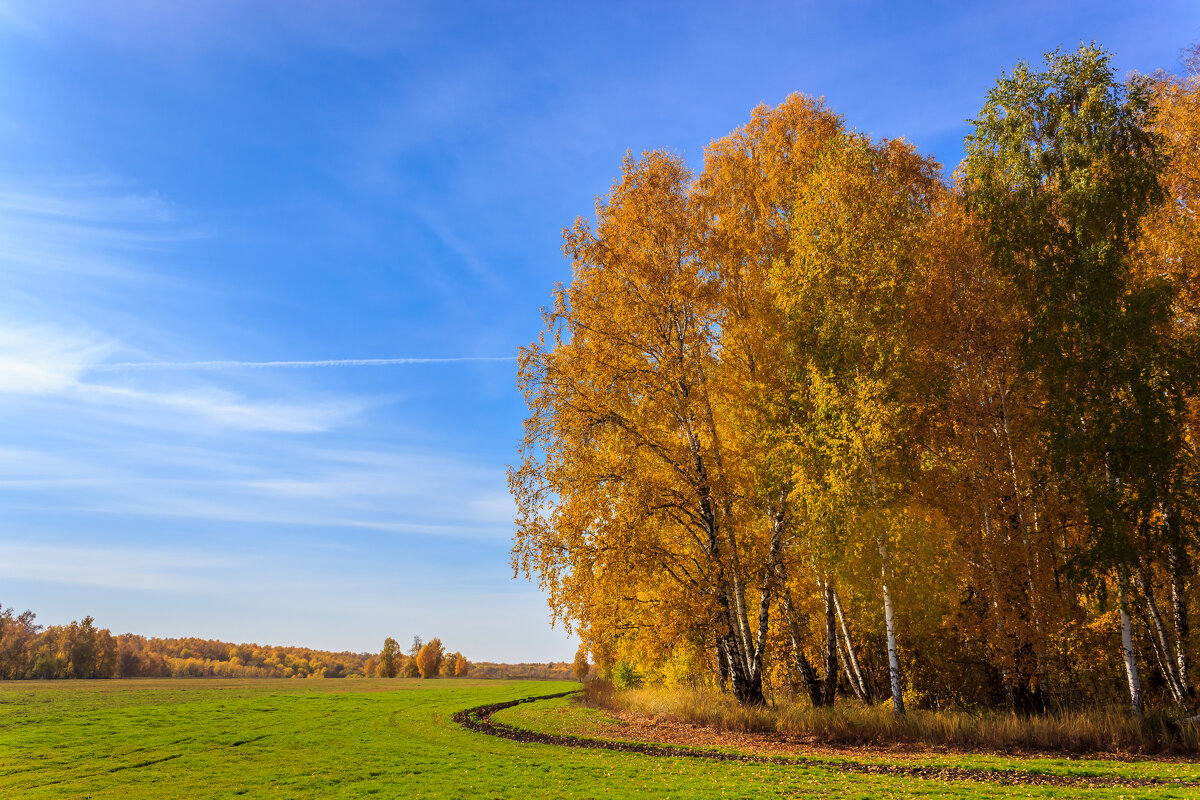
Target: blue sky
{"points": [[289, 181]]}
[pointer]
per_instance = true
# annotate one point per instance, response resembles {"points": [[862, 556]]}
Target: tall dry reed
{"points": [[1102, 730]]}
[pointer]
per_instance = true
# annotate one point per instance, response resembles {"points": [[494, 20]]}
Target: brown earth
{"points": [[680, 740], [625, 725]]}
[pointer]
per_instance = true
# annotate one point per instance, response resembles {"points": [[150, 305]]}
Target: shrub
{"points": [[626, 676]]}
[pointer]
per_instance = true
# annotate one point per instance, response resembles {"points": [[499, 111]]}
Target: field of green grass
{"points": [[391, 739]]}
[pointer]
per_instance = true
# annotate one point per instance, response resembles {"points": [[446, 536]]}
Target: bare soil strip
{"points": [[479, 719]]}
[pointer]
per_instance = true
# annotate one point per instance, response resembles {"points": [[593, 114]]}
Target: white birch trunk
{"points": [[889, 617], [1166, 663], [1131, 670], [855, 671], [889, 614]]}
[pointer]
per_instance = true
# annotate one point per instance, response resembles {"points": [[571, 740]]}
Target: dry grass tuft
{"points": [[854, 724]]}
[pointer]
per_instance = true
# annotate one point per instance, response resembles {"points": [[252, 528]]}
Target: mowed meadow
{"points": [[374, 738]]}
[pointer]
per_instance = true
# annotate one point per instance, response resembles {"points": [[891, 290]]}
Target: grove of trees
{"points": [[81, 650], [424, 660], [821, 418]]}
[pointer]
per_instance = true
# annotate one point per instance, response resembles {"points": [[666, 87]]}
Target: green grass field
{"points": [[392, 739]]}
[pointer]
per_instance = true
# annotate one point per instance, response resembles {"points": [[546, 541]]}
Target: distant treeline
{"points": [[29, 651], [549, 671], [81, 650]]}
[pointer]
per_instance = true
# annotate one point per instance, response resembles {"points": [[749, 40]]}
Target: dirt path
{"points": [[480, 719]]}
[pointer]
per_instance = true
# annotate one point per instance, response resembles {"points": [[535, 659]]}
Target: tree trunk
{"points": [[1179, 609], [1040, 651], [774, 554], [854, 671], [742, 659], [746, 688], [830, 646], [744, 648], [1039, 646], [889, 618], [741, 667], [722, 665], [1161, 658], [744, 680], [845, 666], [808, 676], [740, 615], [1131, 670], [804, 668], [1002, 637], [889, 612], [1166, 662]]}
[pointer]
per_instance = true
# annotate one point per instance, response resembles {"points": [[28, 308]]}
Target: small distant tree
{"points": [[461, 667], [387, 658], [410, 669], [82, 648], [581, 666], [430, 657]]}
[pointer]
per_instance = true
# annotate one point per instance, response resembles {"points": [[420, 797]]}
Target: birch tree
{"points": [[746, 194], [628, 509], [848, 288], [1063, 166]]}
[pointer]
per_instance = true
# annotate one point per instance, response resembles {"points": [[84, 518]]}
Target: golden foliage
{"points": [[784, 422]]}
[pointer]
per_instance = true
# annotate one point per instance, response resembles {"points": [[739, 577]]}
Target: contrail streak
{"points": [[339, 362]]}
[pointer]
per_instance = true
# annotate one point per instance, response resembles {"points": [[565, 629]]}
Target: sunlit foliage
{"points": [[821, 419]]}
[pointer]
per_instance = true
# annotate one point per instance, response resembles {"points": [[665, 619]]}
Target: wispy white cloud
{"points": [[84, 227], [280, 484], [113, 242], [227, 409], [118, 567], [44, 361], [114, 247]]}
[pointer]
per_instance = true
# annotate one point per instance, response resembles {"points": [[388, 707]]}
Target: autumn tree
{"points": [[986, 473], [625, 477], [18, 635], [732, 368], [580, 666], [388, 665], [858, 240], [1063, 166], [462, 667], [429, 658], [746, 193], [1169, 249], [817, 417]]}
